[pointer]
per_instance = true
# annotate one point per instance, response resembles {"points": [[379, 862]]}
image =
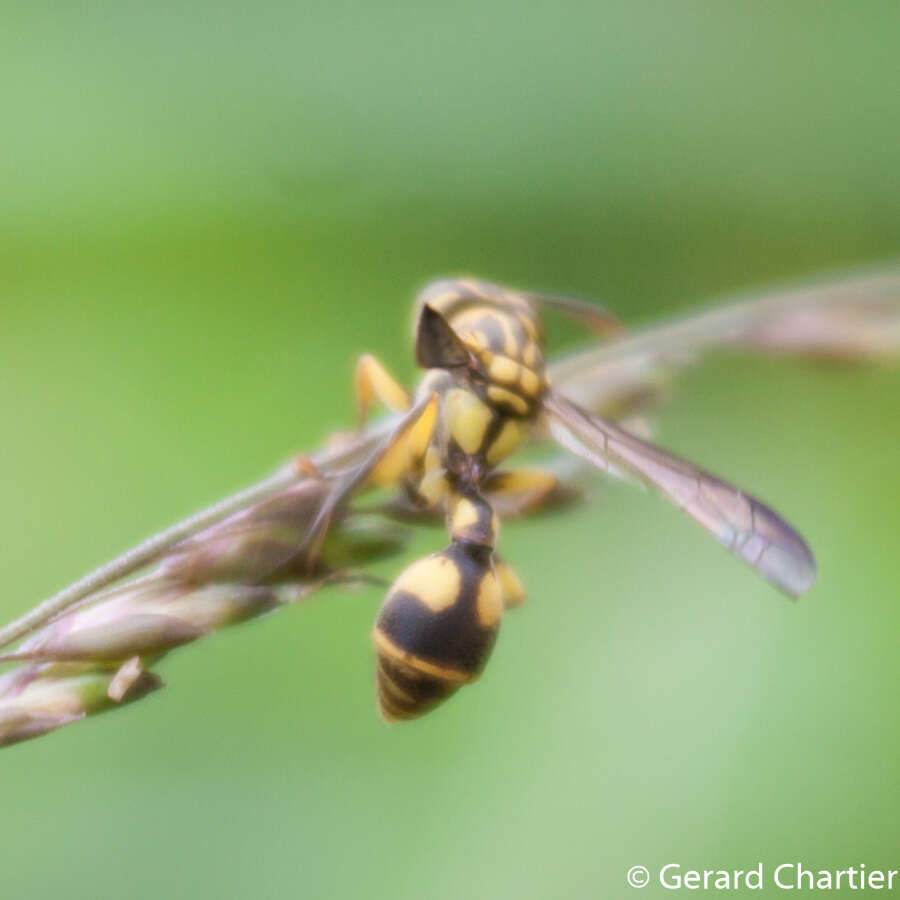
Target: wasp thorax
{"points": [[476, 429], [436, 629]]}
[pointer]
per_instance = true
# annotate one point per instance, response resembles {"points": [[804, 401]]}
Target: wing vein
{"points": [[741, 523]]}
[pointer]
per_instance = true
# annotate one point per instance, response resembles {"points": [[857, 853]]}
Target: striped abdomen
{"points": [[436, 629]]}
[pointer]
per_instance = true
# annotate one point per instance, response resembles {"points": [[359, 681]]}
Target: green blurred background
{"points": [[209, 209]]}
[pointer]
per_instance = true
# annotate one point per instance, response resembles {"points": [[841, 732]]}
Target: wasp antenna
{"points": [[598, 318]]}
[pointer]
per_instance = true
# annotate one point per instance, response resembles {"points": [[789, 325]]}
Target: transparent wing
{"points": [[597, 318], [743, 525], [855, 318], [284, 534]]}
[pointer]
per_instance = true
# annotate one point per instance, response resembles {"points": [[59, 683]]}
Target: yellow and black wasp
{"points": [[486, 389]]}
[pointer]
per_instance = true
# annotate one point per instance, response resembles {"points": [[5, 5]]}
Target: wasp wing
{"points": [[741, 523], [856, 318], [283, 535], [598, 318]]}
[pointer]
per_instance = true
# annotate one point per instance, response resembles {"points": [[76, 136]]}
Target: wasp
{"points": [[486, 390], [442, 452]]}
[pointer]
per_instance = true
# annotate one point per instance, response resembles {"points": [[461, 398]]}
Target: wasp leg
{"points": [[406, 456], [383, 466], [513, 590], [371, 380], [518, 492]]}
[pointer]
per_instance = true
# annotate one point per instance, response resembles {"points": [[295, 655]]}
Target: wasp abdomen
{"points": [[436, 629]]}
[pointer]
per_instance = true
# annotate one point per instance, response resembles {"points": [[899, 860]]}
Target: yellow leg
{"points": [[407, 451], [373, 380], [517, 492], [383, 466], [513, 591]]}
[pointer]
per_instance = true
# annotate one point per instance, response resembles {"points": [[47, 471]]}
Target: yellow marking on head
{"points": [[435, 581], [476, 322], [504, 370], [384, 645], [501, 395], [486, 358], [530, 382], [467, 418], [510, 338], [513, 591], [531, 353], [477, 339], [505, 443], [489, 604], [469, 317]]}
